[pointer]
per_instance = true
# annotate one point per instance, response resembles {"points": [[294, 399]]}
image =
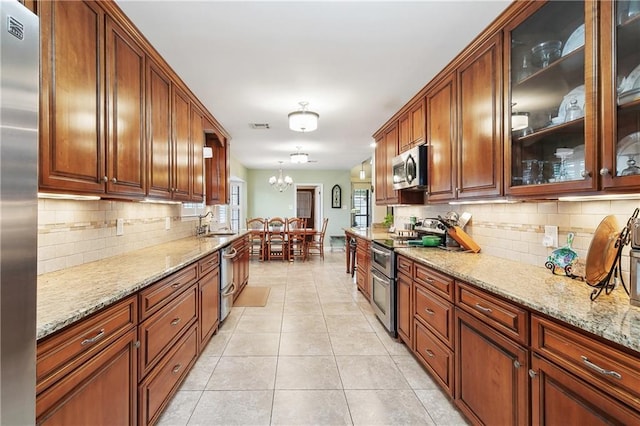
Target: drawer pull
{"points": [[95, 338], [175, 285], [175, 321], [429, 311], [177, 368], [429, 353], [599, 369], [483, 309], [430, 280]]}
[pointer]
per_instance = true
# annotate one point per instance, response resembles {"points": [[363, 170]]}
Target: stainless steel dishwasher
{"points": [[227, 285]]}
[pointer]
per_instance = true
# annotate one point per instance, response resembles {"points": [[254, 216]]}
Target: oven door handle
{"points": [[380, 252], [384, 280]]}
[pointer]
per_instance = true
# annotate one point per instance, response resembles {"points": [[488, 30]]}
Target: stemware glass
{"points": [[527, 173], [631, 169]]}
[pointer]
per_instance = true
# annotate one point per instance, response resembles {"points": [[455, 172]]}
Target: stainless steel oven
{"points": [[383, 285]]}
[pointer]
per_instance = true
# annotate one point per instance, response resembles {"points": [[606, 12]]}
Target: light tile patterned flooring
{"points": [[314, 355]]}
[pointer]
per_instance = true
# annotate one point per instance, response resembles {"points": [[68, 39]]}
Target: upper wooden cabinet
{"points": [[441, 137], [115, 120], [479, 80], [72, 136], [411, 126], [552, 50], [620, 88], [216, 168]]}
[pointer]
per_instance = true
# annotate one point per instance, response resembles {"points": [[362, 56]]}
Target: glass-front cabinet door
{"points": [[620, 167], [552, 83]]}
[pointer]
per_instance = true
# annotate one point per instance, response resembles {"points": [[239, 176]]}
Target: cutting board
{"points": [[465, 241]]}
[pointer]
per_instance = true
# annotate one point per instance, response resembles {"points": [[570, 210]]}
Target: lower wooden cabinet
{"points": [[209, 305], [435, 356], [491, 372], [404, 312], [558, 397], [363, 260], [161, 383], [101, 391], [241, 265]]}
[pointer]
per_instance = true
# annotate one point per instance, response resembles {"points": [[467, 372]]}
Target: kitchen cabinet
{"points": [[197, 155], [441, 137], [76, 367], [465, 158], [479, 153], [404, 300], [217, 167], [160, 141], [553, 104], [491, 374], [363, 262], [620, 88], [84, 146], [585, 360], [411, 130], [240, 265], [208, 297], [182, 150]]}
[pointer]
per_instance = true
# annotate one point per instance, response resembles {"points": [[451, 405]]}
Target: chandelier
{"points": [[299, 157], [280, 183], [303, 120]]}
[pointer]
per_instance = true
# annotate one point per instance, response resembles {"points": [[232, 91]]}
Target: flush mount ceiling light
{"points": [[280, 183], [299, 157], [303, 120]]}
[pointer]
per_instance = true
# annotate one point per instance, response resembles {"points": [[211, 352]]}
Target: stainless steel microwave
{"points": [[409, 169]]}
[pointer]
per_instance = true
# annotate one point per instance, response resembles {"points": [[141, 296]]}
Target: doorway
{"points": [[309, 204]]}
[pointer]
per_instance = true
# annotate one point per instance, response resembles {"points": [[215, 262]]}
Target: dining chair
{"points": [[257, 228], [316, 244], [276, 239], [296, 238]]}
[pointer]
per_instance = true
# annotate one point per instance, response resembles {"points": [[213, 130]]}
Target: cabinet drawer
{"points": [[157, 295], [436, 313], [435, 356], [163, 328], [501, 315], [156, 389], [63, 352], [405, 266], [208, 263], [439, 283], [609, 369]]}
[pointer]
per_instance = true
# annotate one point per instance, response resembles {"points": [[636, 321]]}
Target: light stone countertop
{"points": [[609, 316], [69, 295]]}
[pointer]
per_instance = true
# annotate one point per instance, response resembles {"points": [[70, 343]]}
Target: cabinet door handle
{"points": [[93, 339], [114, 180], [516, 364], [585, 173], [177, 368], [105, 179], [429, 311], [483, 309], [604, 171], [175, 321], [532, 374], [599, 369], [429, 353]]}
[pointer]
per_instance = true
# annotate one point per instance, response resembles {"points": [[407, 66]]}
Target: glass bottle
{"points": [[573, 111]]}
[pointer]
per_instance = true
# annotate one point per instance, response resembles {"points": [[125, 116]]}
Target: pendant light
{"points": [[362, 173], [280, 183], [303, 120]]}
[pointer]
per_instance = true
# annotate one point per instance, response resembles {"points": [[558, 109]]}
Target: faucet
{"points": [[202, 229]]}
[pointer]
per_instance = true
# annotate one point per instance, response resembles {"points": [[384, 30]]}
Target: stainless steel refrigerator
{"points": [[19, 87]]}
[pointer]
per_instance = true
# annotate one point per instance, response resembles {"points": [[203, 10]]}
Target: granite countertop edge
{"points": [[63, 297], [611, 316]]}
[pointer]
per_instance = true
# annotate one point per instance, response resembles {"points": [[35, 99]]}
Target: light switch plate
{"points": [[119, 226], [550, 236], [167, 223]]}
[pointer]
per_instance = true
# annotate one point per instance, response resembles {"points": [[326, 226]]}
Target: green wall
{"points": [[264, 201]]}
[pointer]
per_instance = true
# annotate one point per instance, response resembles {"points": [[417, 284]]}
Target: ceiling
{"points": [[355, 63]]}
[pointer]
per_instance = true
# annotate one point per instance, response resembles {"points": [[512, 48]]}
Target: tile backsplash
{"points": [[71, 232], [515, 231]]}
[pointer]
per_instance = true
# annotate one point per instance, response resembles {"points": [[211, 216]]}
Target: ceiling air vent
{"points": [[259, 126]]}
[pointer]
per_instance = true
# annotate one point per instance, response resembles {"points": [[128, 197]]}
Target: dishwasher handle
{"points": [[231, 254]]}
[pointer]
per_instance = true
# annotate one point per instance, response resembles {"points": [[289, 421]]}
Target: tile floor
{"points": [[314, 355]]}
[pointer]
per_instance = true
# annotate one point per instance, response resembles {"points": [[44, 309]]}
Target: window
{"points": [[235, 206], [193, 209], [360, 211]]}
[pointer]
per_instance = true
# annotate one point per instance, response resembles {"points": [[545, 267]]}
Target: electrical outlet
{"points": [[550, 236], [167, 223], [120, 226]]}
